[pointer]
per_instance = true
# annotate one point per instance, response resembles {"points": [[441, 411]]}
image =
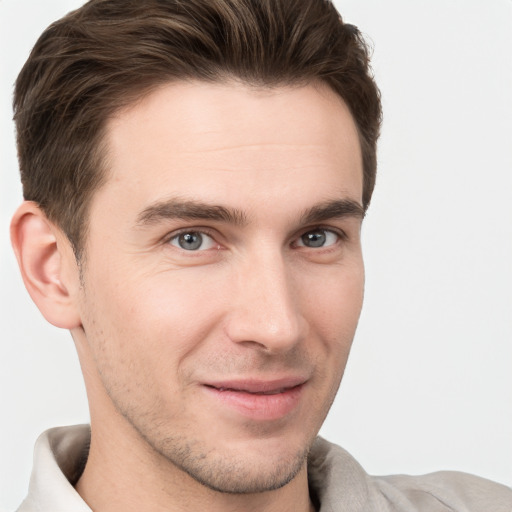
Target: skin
{"points": [[273, 294]]}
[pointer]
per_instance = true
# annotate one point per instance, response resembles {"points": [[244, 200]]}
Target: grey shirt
{"points": [[337, 482]]}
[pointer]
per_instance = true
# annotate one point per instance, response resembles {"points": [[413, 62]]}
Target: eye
{"points": [[192, 241], [318, 238]]}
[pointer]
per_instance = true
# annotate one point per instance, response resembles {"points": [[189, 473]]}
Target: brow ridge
{"points": [[333, 209], [186, 209]]}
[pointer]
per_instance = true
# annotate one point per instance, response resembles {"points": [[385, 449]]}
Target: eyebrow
{"points": [[176, 208], [333, 209], [189, 210]]}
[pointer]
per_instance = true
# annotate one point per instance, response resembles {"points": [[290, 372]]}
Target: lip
{"points": [[261, 400]]}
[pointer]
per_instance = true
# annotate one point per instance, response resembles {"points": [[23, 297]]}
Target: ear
{"points": [[47, 264]]}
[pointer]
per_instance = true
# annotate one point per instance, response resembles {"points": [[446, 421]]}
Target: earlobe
{"points": [[47, 265]]}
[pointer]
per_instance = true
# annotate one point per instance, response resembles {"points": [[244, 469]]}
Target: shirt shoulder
{"points": [[448, 491], [340, 483]]}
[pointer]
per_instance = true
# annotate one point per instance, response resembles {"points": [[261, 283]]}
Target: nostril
{"points": [[253, 344]]}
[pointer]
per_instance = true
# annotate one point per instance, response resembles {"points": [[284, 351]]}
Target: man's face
{"points": [[223, 277]]}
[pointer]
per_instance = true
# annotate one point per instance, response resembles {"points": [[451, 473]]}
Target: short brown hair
{"points": [[103, 56]]}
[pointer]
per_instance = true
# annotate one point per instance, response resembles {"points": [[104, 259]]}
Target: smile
{"points": [[274, 392], [258, 400]]}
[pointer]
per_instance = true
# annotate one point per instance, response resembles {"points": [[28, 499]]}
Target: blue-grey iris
{"points": [[314, 238], [190, 241]]}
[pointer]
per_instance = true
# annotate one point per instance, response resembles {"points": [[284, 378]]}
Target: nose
{"points": [[266, 309]]}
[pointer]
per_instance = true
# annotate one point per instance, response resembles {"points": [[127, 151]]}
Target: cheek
{"points": [[335, 300], [138, 332], [149, 320], [333, 310]]}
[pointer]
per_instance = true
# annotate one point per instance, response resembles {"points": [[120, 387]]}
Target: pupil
{"points": [[190, 241], [314, 239]]}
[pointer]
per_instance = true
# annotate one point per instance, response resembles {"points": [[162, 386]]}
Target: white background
{"points": [[429, 383]]}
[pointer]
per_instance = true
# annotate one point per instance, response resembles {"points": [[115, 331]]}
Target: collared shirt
{"points": [[338, 483]]}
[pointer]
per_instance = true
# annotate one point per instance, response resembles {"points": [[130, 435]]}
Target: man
{"points": [[196, 175]]}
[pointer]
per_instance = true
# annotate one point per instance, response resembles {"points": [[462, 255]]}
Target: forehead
{"points": [[232, 105], [231, 142]]}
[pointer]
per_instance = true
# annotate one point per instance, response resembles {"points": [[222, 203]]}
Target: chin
{"points": [[245, 473], [243, 467]]}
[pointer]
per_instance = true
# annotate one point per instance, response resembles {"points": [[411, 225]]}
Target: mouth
{"points": [[257, 399], [270, 392]]}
